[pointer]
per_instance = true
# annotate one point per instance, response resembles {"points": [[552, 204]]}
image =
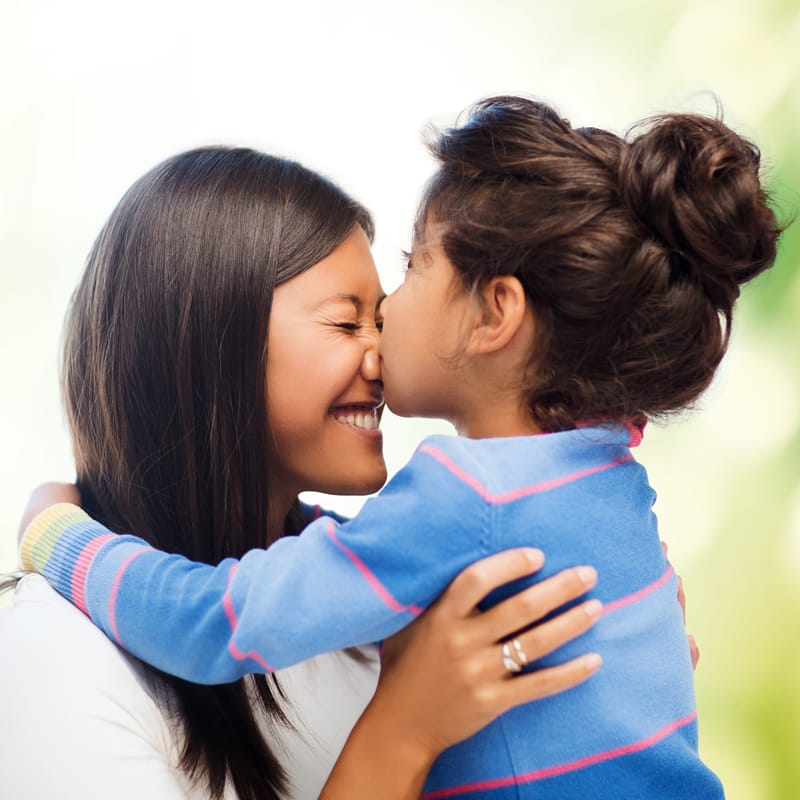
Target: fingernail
{"points": [[535, 556], [593, 662], [594, 608], [587, 575]]}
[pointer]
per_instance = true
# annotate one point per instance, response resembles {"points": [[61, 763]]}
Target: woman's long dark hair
{"points": [[164, 383]]}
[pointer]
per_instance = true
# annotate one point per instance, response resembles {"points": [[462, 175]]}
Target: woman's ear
{"points": [[503, 311]]}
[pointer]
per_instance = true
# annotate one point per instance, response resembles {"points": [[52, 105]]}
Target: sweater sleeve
{"points": [[334, 586]]}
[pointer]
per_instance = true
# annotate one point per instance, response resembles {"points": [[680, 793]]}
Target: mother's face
{"points": [[324, 389]]}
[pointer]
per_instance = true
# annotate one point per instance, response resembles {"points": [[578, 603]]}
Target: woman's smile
{"points": [[365, 419]]}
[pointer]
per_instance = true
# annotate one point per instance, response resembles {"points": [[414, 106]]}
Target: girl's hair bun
{"points": [[631, 250], [694, 184]]}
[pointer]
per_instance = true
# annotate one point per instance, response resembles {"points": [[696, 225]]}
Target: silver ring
{"points": [[522, 657], [508, 661]]}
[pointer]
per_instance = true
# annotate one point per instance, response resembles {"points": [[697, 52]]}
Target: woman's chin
{"points": [[366, 484]]}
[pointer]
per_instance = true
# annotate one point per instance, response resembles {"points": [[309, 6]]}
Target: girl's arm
{"points": [[442, 678], [331, 587], [303, 596]]}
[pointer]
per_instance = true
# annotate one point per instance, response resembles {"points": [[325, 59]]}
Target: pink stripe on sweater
{"points": [[233, 621], [614, 605], [112, 601], [371, 578], [508, 497], [82, 563], [566, 767]]}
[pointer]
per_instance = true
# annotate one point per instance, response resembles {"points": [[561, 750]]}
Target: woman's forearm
{"points": [[379, 760]]}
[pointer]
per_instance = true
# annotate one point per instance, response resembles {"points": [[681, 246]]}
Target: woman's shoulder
{"points": [[75, 702], [42, 628], [49, 645]]}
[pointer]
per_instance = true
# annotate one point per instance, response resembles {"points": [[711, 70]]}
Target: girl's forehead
{"points": [[428, 233]]}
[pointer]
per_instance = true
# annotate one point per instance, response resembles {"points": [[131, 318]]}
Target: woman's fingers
{"points": [[549, 636], [694, 651], [545, 682], [477, 580], [531, 604], [682, 598]]}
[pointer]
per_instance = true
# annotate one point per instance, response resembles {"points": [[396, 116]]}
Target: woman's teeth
{"points": [[367, 420]]}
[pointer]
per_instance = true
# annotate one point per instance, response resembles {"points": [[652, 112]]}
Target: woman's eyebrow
{"points": [[344, 298], [352, 298]]}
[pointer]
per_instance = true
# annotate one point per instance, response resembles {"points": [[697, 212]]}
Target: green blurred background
{"points": [[94, 93]]}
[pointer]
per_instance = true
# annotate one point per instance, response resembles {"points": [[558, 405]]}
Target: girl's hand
{"points": [[44, 496], [443, 678]]}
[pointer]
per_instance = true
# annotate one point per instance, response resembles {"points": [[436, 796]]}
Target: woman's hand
{"points": [[454, 652], [694, 650], [443, 677], [44, 496]]}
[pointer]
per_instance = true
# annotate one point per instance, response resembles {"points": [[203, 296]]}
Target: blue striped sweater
{"points": [[630, 731]]}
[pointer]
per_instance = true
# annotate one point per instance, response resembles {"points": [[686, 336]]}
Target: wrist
{"points": [[39, 537]]}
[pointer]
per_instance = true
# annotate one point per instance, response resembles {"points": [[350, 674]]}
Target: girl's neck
{"points": [[500, 418]]}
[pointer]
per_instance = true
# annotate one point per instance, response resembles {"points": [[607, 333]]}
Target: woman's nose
{"points": [[371, 362]]}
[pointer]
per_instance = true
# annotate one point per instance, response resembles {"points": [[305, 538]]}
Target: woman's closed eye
{"points": [[355, 327]]}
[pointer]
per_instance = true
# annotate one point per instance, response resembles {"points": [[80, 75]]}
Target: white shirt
{"points": [[79, 721]]}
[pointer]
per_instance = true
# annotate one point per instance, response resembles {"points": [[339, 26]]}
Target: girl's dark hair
{"points": [[164, 383], [631, 251]]}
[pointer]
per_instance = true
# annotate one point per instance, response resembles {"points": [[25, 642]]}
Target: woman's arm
{"points": [[442, 678]]}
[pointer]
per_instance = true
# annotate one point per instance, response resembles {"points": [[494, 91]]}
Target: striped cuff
{"points": [[60, 543], [43, 533]]}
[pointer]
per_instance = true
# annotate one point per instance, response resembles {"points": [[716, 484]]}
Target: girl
{"points": [[562, 282], [172, 407]]}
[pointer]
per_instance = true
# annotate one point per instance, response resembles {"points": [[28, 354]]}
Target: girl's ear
{"points": [[502, 312]]}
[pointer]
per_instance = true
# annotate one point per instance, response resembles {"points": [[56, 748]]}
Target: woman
{"points": [[195, 423]]}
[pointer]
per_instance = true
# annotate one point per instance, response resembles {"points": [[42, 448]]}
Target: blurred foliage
{"points": [[744, 591]]}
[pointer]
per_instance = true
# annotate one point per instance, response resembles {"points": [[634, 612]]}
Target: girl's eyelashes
{"points": [[406, 260]]}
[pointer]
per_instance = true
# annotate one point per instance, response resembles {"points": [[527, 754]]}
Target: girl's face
{"points": [[424, 324], [324, 389]]}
